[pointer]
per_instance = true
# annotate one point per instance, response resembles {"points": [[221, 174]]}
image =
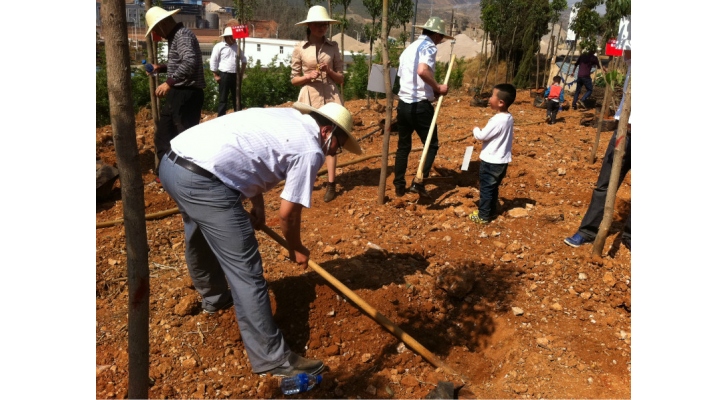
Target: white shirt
{"points": [[253, 150], [411, 87], [497, 138], [223, 57]]}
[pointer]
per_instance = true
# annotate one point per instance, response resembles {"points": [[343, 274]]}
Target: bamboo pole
{"points": [[418, 177], [387, 324], [605, 109], [390, 99]]}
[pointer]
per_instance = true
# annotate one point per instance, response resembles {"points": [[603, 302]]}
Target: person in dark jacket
{"points": [[185, 78]]}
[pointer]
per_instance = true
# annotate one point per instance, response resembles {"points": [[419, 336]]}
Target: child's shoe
{"points": [[475, 217]]}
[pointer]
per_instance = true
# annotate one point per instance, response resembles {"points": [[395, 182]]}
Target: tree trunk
{"points": [[607, 97], [538, 62], [480, 64], [619, 147], [388, 118], [343, 98], [152, 56], [123, 126], [604, 110], [238, 75]]}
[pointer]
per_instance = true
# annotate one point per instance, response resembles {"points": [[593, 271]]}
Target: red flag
{"points": [[240, 31]]}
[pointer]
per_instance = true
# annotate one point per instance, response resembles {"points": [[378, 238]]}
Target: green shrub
{"points": [[268, 87], [613, 78], [456, 75], [356, 78]]}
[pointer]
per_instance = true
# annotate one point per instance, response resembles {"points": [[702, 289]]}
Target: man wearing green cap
{"points": [[417, 90]]}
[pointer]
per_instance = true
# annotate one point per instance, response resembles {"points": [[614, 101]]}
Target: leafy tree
{"points": [[587, 23], [357, 78]]}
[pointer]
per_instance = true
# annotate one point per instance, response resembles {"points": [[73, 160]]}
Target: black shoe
{"points": [[224, 307], [399, 191], [419, 189], [297, 365]]}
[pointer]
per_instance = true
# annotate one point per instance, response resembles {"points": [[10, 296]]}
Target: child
{"points": [[497, 138], [553, 96]]}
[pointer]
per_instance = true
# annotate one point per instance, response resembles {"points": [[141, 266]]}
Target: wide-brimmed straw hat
{"points": [[317, 14], [227, 32], [437, 25], [337, 114], [156, 14]]}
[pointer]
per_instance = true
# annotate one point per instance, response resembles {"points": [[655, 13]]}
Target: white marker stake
{"points": [[466, 158]]}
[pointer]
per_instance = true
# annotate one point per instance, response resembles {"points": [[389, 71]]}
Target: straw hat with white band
{"points": [[227, 32], [337, 114], [318, 14], [437, 25], [155, 15]]}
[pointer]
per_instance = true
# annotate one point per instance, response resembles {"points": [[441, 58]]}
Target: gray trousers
{"points": [[220, 243]]}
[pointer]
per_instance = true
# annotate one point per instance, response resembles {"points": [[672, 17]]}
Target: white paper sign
{"points": [[376, 78], [466, 158]]}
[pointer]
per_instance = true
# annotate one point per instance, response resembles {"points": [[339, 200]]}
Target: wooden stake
{"points": [[418, 177]]}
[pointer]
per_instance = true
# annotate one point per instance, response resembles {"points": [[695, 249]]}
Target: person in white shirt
{"points": [[210, 169], [497, 138], [222, 65], [417, 89]]}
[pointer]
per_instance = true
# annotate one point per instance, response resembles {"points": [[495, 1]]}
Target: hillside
{"points": [[512, 309]]}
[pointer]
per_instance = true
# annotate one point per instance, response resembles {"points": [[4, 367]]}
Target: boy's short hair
{"points": [[557, 79], [506, 93]]}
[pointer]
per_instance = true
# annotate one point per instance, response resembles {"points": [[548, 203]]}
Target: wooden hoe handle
{"points": [[418, 177], [369, 310]]}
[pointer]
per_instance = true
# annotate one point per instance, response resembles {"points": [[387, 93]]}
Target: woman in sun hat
{"points": [[317, 67]]}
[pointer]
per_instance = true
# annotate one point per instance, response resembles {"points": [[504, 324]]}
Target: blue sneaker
{"points": [[577, 240]]}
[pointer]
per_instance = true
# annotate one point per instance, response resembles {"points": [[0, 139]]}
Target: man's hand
{"points": [[257, 215], [217, 77], [442, 90], [257, 211], [162, 90]]}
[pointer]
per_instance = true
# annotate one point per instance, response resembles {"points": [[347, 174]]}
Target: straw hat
{"points": [[337, 114], [435, 24], [227, 32], [317, 14], [155, 15]]}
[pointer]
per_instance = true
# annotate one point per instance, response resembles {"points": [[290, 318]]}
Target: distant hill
{"points": [[469, 9]]}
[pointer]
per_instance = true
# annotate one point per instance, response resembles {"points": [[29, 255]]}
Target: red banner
{"points": [[240, 31], [612, 49]]}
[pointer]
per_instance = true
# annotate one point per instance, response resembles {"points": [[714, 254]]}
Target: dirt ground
{"points": [[510, 307]]}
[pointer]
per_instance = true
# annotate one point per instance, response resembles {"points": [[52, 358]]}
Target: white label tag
{"points": [[466, 158]]}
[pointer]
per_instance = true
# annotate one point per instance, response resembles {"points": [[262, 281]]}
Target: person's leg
{"points": [[226, 226], [224, 86], [404, 142], [330, 192], [499, 171], [489, 179], [425, 114], [202, 265], [595, 213], [190, 111], [166, 128], [576, 93], [589, 88]]}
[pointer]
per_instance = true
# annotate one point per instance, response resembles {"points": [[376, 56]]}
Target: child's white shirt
{"points": [[497, 138]]}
